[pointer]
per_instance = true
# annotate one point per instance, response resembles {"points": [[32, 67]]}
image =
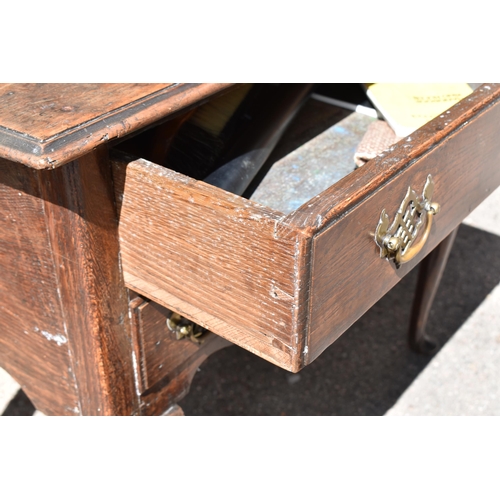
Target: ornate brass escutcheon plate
{"points": [[397, 241]]}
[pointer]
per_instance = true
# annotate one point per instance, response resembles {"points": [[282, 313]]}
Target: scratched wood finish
{"points": [[43, 110], [64, 311], [285, 287], [213, 250], [34, 346], [167, 365], [48, 125], [347, 274], [83, 229]]}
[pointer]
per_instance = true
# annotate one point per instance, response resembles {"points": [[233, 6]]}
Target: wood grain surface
{"points": [[34, 346], [43, 110], [214, 251], [47, 125], [65, 332], [82, 226]]}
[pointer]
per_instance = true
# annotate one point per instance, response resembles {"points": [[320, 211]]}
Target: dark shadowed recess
{"points": [[370, 366], [19, 406], [366, 370]]}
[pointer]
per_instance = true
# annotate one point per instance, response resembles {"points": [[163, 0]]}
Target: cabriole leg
{"points": [[431, 271]]}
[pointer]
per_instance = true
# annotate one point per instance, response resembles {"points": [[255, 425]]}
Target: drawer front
{"points": [[166, 364], [159, 351], [348, 274], [287, 286]]}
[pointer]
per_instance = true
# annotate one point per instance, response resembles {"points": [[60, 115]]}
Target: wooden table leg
{"points": [[65, 332], [430, 273]]}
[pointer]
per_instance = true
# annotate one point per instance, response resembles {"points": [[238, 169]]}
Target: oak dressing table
{"points": [[101, 252]]}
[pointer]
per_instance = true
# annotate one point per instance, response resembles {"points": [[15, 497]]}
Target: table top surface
{"points": [[44, 125]]}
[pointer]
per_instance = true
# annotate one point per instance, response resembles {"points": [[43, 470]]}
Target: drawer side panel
{"points": [[209, 255]]}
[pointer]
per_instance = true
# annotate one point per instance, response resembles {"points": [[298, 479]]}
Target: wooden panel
{"points": [[34, 346], [209, 255], [83, 229], [348, 276], [43, 110], [47, 125]]}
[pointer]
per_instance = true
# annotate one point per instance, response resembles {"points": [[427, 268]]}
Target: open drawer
{"points": [[285, 286]]}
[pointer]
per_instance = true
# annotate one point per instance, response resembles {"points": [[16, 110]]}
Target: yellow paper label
{"points": [[411, 105]]}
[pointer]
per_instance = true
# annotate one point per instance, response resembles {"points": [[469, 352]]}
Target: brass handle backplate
{"points": [[397, 242], [183, 328]]}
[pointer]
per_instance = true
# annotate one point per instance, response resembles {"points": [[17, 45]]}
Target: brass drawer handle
{"points": [[397, 242]]}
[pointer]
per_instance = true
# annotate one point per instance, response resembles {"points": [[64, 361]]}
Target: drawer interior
{"points": [[315, 151], [277, 270]]}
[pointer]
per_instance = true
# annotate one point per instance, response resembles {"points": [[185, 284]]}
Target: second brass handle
{"points": [[394, 243], [399, 241]]}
